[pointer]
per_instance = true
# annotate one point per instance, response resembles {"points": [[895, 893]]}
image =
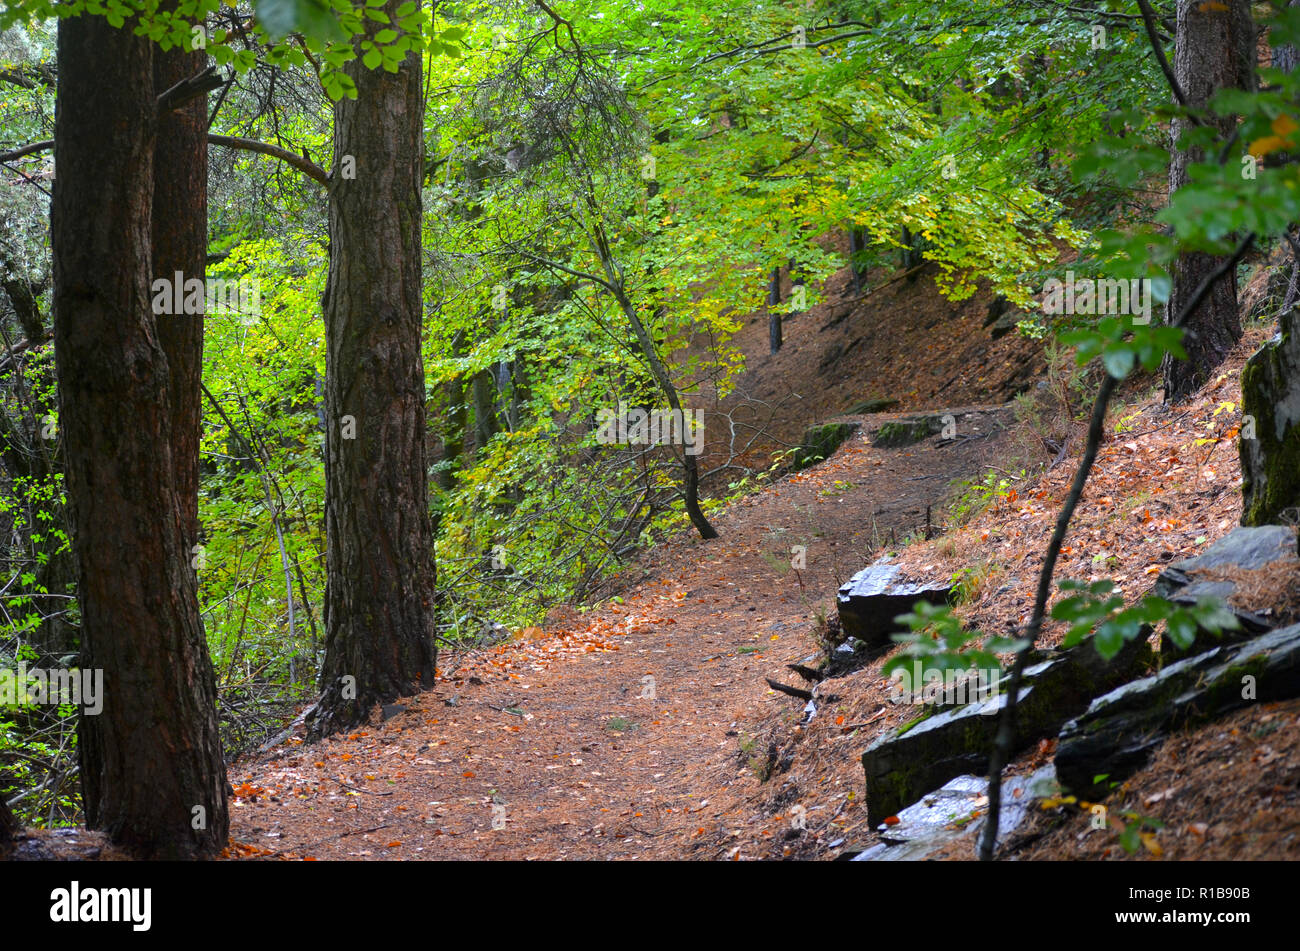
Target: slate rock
{"points": [[866, 407], [902, 764], [955, 809], [1245, 549], [870, 600], [1116, 735], [907, 431]]}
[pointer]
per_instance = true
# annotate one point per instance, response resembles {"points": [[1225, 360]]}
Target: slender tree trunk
{"points": [[690, 469], [774, 320], [911, 255], [8, 824], [151, 765], [486, 421], [857, 244], [1214, 49], [519, 392], [1283, 56], [380, 572], [457, 421], [796, 282], [29, 453]]}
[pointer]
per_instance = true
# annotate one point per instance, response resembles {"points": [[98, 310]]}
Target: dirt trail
{"points": [[618, 734]]}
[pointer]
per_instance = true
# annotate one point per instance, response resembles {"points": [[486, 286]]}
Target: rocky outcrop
{"points": [[1118, 732], [1002, 317], [877, 405], [820, 441], [922, 755], [870, 600], [1217, 573], [1270, 437], [954, 810], [905, 432]]}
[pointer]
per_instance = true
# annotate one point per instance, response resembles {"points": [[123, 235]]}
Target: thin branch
{"points": [[197, 85], [1149, 19], [559, 20], [41, 146], [1006, 726], [308, 168]]}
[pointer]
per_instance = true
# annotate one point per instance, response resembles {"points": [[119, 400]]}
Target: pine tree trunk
{"points": [[1214, 49], [151, 763], [180, 242], [380, 573]]}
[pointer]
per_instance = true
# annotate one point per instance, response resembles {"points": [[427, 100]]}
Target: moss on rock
{"points": [[1270, 406]]}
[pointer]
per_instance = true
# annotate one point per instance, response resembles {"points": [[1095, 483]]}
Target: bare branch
{"points": [[310, 169]]}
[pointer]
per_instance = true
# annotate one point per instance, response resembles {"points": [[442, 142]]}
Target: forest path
{"points": [[558, 744]]}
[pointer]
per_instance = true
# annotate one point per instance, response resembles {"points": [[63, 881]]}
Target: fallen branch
{"points": [[792, 691]]}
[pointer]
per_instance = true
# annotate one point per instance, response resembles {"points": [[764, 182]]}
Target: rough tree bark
{"points": [[380, 573], [151, 765], [1214, 49], [180, 243]]}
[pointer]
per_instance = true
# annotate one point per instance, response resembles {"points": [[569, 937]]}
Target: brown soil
{"points": [[902, 342], [558, 727]]}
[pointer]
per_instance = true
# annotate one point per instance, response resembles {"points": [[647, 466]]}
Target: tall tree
{"points": [[152, 771], [774, 318], [379, 560], [180, 242], [1214, 49]]}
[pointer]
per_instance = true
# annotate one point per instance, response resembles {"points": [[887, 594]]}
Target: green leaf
{"points": [[312, 19], [1118, 362], [1109, 640]]}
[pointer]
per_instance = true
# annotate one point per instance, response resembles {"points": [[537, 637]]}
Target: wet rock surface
{"points": [[956, 808], [1117, 733], [870, 600], [901, 765]]}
